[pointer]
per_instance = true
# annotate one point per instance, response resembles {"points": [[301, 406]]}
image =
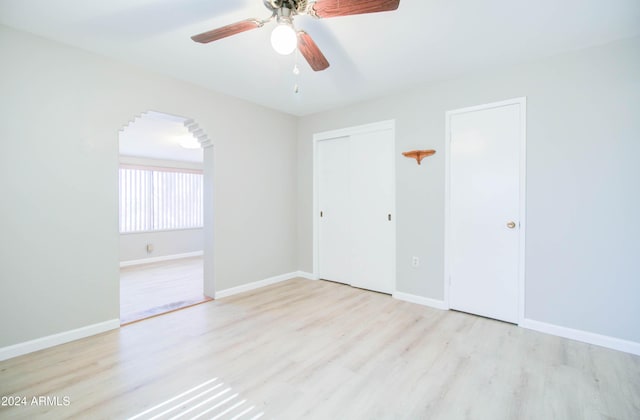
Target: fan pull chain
{"points": [[296, 72]]}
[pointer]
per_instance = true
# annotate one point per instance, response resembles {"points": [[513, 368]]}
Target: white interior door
{"points": [[334, 202], [372, 202], [484, 211]]}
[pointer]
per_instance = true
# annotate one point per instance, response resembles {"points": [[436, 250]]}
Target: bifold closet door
{"points": [[334, 230]]}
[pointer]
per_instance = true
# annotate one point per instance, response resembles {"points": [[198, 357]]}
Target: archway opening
{"points": [[162, 191]]}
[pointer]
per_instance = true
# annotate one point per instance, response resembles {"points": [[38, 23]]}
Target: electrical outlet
{"points": [[415, 262], [149, 248]]}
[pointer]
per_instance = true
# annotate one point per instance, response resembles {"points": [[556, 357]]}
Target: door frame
{"points": [[522, 101], [346, 132]]}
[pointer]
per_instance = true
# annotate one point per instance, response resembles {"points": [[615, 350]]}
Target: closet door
{"points": [[371, 180], [356, 220], [334, 203]]}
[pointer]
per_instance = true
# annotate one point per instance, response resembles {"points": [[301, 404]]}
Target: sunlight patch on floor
{"points": [[212, 399]]}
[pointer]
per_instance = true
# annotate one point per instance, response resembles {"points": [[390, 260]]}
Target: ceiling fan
{"points": [[285, 38]]}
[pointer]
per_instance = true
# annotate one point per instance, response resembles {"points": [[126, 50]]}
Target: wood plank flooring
{"points": [[305, 349], [151, 289]]}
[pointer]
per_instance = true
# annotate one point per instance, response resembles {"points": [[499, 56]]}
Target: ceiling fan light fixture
{"points": [[284, 39]]}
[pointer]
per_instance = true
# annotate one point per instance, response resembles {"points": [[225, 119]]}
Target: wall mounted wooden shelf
{"points": [[418, 155]]}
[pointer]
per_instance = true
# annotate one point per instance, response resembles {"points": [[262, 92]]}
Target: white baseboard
{"points": [[56, 339], [256, 285], [584, 336], [158, 259], [420, 300], [306, 275]]}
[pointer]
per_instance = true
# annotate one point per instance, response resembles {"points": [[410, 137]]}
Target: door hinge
{"points": [[389, 216], [321, 213]]}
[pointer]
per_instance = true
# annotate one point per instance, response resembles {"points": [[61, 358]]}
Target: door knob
{"points": [[511, 224]]}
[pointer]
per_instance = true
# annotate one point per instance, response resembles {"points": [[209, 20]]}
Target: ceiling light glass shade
{"points": [[189, 142], [284, 39]]}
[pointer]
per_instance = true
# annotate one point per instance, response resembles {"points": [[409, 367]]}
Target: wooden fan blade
{"points": [[311, 52], [225, 31], [334, 8]]}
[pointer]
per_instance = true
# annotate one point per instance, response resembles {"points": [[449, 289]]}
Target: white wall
{"points": [[60, 112], [583, 182], [133, 246], [163, 163]]}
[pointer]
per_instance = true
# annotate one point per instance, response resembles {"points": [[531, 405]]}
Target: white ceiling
{"points": [[370, 55], [158, 136]]}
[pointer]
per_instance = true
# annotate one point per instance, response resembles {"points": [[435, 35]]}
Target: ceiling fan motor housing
{"points": [[295, 6], [284, 15]]}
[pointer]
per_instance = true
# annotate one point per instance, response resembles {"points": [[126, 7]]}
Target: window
{"points": [[159, 199]]}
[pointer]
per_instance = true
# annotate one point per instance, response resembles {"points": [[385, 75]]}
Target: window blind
{"points": [[153, 199]]}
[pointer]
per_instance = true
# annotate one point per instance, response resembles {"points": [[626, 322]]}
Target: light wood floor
{"points": [[306, 349], [151, 289]]}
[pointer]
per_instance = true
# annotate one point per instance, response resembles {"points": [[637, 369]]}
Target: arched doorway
{"points": [[165, 222]]}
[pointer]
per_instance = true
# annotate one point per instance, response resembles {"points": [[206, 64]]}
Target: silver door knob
{"points": [[511, 224]]}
